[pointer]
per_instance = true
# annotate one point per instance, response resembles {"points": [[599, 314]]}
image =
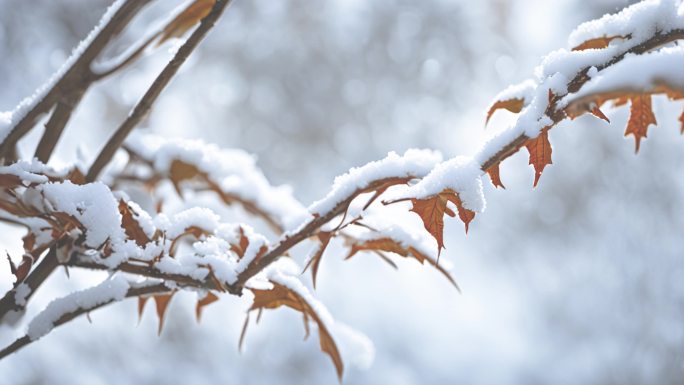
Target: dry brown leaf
{"points": [[540, 153], [598, 43], [495, 176], [162, 304], [681, 120], [185, 20], [131, 226], [392, 246], [433, 209], [207, 300], [324, 238], [282, 296], [514, 105], [640, 117]]}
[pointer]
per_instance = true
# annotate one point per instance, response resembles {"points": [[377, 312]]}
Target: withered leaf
{"points": [[161, 304], [432, 210], [681, 120], [393, 246], [180, 171], [640, 117], [280, 295], [514, 105], [598, 43], [324, 238], [131, 226], [495, 177], [540, 153], [208, 299], [186, 19]]}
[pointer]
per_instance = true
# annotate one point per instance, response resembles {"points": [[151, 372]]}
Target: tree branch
{"points": [[557, 115], [77, 78], [145, 104], [46, 266], [132, 292], [55, 126]]}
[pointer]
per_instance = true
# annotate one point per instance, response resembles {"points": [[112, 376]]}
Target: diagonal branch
{"points": [[77, 78], [163, 79], [132, 292]]}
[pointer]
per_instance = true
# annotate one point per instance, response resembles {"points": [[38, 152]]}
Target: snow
{"points": [[524, 91], [8, 119], [639, 21], [21, 293], [93, 205], [414, 163], [112, 289], [233, 171], [658, 68], [460, 174], [32, 171]]}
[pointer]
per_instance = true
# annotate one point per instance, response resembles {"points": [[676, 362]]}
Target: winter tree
{"points": [[151, 217]]}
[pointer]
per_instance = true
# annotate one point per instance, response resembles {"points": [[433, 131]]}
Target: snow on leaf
{"points": [[281, 295], [495, 177], [597, 43], [640, 117], [206, 300], [514, 105], [540, 153], [186, 19], [131, 226]]}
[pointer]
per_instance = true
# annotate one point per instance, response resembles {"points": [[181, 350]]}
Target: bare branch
{"points": [[77, 78], [163, 79]]}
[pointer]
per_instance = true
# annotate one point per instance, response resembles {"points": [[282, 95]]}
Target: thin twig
{"points": [[132, 292], [145, 104], [77, 78]]}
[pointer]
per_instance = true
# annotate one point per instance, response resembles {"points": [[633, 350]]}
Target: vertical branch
{"points": [[163, 79]]}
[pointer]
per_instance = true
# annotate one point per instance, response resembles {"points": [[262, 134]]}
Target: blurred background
{"points": [[580, 280]]}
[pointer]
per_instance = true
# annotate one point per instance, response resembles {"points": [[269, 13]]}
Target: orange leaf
{"points": [[681, 120], [514, 105], [540, 153], [208, 299], [281, 295], [432, 210], [599, 114], [597, 43], [495, 177], [141, 306], [640, 117], [180, 171], [131, 226], [392, 246], [162, 303], [186, 19]]}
